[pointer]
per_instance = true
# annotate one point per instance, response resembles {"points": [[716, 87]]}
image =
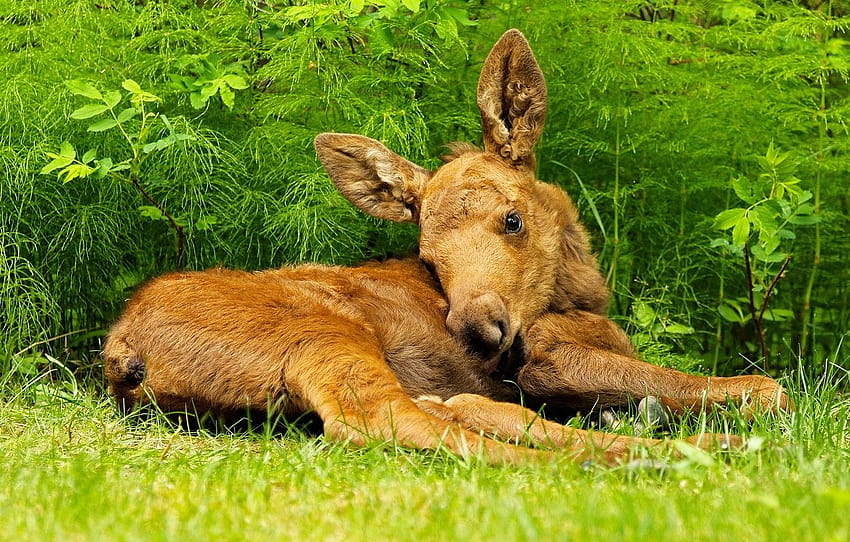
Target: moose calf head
{"points": [[505, 247]]}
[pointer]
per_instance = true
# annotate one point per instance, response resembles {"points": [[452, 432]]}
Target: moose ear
{"points": [[512, 100], [372, 177]]}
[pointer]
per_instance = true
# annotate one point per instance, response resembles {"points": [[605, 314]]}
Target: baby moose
{"points": [[419, 350]]}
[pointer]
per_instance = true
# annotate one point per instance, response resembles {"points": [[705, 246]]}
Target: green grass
{"points": [[73, 470]]}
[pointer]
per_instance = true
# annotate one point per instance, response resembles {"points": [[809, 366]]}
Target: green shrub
{"points": [[655, 109]]}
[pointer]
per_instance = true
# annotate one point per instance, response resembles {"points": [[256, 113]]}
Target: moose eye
{"points": [[513, 222]]}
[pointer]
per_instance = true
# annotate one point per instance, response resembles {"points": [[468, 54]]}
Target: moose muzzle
{"points": [[482, 323]]}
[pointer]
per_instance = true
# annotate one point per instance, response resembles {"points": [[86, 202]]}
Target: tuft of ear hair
{"points": [[512, 100]]}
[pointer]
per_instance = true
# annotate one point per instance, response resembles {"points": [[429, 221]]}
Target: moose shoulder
{"points": [[504, 286]]}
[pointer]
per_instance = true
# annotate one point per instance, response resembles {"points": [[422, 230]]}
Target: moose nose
{"points": [[482, 323]]}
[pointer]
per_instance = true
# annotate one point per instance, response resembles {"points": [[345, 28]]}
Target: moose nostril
{"points": [[487, 338], [503, 331], [482, 323]]}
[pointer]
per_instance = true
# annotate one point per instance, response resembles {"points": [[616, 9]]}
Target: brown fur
{"points": [[484, 301]]}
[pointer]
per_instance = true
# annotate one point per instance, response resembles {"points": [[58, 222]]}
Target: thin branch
{"points": [[748, 271], [178, 229], [770, 288]]}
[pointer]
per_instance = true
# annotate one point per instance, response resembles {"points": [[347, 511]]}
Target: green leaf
{"points": [[82, 88], [164, 142], [88, 156], [763, 218], [460, 15], [131, 86], [235, 82], [776, 207], [729, 314], [167, 123], [103, 125], [197, 100], [744, 190], [88, 111], [227, 96], [412, 5], [63, 159], [76, 171], [771, 153], [127, 114], [138, 96], [728, 218], [57, 163], [741, 231], [148, 97], [678, 329], [209, 90], [356, 5], [771, 244], [446, 28], [778, 315], [205, 222], [761, 254], [389, 9], [151, 212], [104, 165], [66, 150], [804, 196], [26, 365], [643, 314], [694, 455], [112, 98], [776, 257], [738, 12], [805, 209]]}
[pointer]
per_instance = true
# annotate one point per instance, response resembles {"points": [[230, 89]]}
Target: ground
{"points": [[73, 470]]}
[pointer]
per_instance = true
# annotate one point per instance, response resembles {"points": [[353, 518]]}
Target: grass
{"points": [[73, 470]]}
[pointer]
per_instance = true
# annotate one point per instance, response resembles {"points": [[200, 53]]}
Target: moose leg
{"points": [[581, 360], [516, 423], [360, 400]]}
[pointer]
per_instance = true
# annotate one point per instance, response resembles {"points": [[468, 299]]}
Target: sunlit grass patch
{"points": [[72, 469]]}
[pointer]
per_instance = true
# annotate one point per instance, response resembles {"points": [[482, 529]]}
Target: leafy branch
{"points": [[209, 77], [137, 126], [775, 203]]}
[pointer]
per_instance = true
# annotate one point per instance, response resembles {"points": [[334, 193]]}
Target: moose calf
{"points": [[504, 288]]}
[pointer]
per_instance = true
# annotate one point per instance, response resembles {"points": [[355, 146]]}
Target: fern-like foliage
{"points": [[655, 108]]}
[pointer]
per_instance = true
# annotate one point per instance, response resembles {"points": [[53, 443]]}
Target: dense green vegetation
{"points": [[706, 143]]}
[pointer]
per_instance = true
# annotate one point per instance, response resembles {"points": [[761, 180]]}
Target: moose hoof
{"points": [[651, 415], [433, 405]]}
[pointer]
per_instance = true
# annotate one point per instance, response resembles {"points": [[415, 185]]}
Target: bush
{"points": [[655, 111]]}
